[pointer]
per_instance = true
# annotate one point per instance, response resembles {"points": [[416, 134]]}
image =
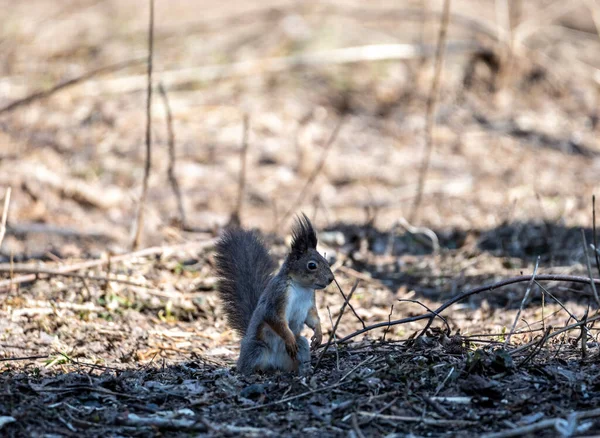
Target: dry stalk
{"points": [[349, 304], [172, 156], [4, 215], [589, 267], [525, 297], [313, 176], [139, 222], [430, 110], [385, 332], [337, 322], [337, 353], [594, 237], [236, 216]]}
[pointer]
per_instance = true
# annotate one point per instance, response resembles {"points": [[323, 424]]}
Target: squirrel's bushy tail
{"points": [[244, 268]]}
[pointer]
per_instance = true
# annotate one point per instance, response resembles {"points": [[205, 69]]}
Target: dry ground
{"points": [[512, 176]]}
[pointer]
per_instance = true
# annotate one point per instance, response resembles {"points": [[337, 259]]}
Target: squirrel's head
{"points": [[307, 266]]}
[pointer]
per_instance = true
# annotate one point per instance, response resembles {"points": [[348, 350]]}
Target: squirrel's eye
{"points": [[311, 266]]}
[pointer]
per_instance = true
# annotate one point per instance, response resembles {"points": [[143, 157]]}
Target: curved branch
{"points": [[461, 297]]}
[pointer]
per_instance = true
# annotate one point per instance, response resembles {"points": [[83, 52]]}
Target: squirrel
{"points": [[269, 310]]}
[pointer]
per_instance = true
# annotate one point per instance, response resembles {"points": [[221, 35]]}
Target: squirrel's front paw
{"points": [[316, 339], [292, 349]]}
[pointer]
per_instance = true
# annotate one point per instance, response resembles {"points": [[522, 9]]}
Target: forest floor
{"points": [[100, 340]]}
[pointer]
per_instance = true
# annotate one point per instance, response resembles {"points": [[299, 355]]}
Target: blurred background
{"points": [[515, 147]]}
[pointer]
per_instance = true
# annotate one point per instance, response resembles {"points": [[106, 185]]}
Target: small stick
{"points": [[4, 215], [389, 320], [337, 353], [10, 359], [335, 326], [58, 273], [584, 335], [236, 216], [430, 109], [155, 250], [171, 169], [538, 347], [139, 222], [589, 267], [556, 333], [313, 176], [69, 83], [434, 314], [594, 237], [356, 428], [349, 304], [525, 297]]}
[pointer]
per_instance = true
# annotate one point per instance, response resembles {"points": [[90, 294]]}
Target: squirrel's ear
{"points": [[304, 236]]}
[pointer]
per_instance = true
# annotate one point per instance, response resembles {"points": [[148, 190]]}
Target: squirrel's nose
{"points": [[329, 278]]}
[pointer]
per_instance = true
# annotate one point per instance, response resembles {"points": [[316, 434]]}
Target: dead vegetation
{"points": [[477, 316]]}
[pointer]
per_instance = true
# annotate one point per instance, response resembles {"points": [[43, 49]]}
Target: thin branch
{"points": [[556, 333], [385, 332], [139, 222], [349, 304], [4, 215], [337, 322], [465, 295], [155, 250], [11, 359], [589, 267], [430, 110], [523, 301], [172, 156], [18, 269], [69, 83], [236, 216], [313, 176], [538, 347], [594, 237]]}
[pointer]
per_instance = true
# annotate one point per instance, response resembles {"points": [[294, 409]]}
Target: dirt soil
{"points": [[148, 353]]}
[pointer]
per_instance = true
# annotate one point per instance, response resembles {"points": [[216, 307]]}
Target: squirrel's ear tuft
{"points": [[304, 236]]}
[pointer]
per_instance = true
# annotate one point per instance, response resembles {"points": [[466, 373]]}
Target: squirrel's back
{"points": [[244, 268]]}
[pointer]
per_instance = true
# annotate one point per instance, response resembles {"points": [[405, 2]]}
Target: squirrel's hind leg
{"points": [[253, 354], [303, 355]]}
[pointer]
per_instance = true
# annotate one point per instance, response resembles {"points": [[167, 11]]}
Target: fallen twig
{"points": [[4, 215], [69, 83], [556, 333], [430, 110], [10, 359], [346, 55], [589, 267], [5, 267], [349, 303], [23, 269], [541, 425], [139, 221], [406, 419]]}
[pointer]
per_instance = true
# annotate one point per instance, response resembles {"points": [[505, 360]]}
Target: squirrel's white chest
{"points": [[299, 301]]}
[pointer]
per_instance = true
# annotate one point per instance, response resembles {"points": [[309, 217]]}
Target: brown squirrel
{"points": [[269, 311]]}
